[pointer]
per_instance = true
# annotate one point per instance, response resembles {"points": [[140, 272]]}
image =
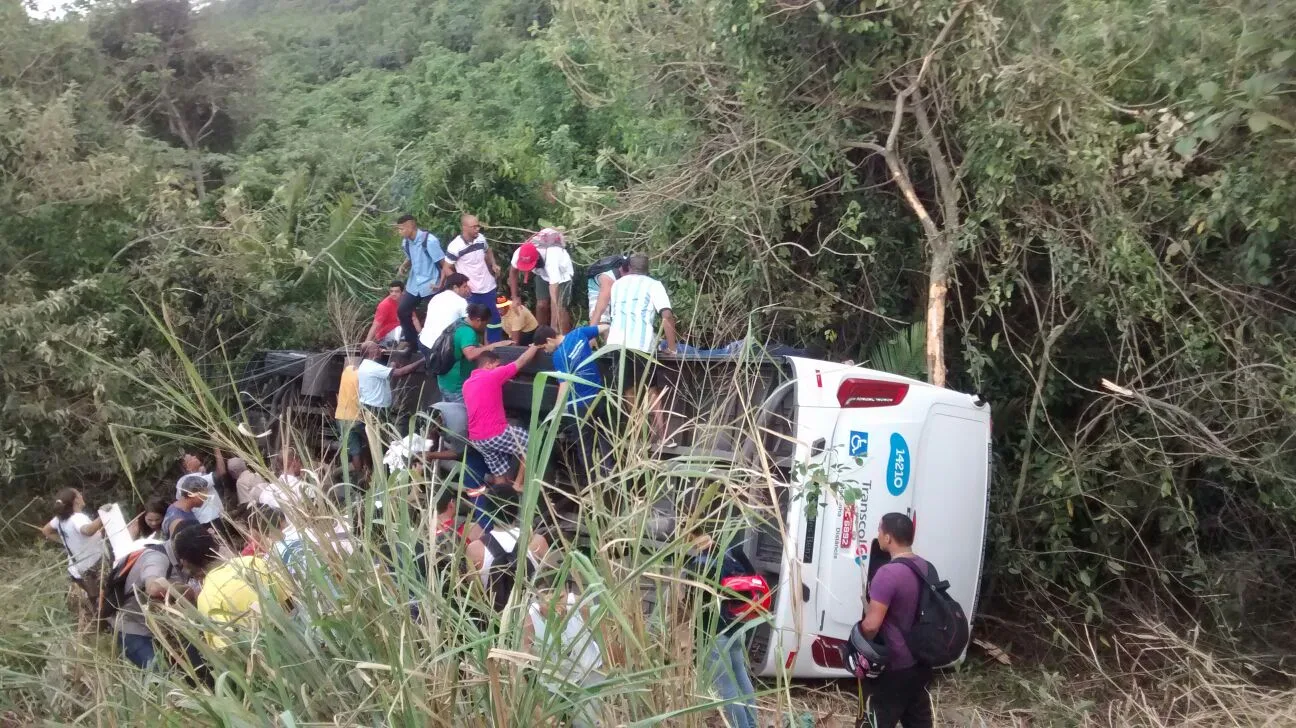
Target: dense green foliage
{"points": [[1115, 180]]}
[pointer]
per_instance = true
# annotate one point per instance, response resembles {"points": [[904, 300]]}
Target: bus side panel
{"points": [[950, 500], [868, 444]]}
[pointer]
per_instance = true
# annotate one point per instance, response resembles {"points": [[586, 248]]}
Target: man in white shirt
{"points": [[445, 309], [374, 378], [545, 254], [469, 254], [636, 300]]}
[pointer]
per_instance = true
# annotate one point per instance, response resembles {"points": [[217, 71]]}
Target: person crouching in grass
{"points": [[231, 589]]}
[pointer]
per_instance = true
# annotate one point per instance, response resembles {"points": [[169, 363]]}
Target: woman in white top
{"points": [[80, 536]]}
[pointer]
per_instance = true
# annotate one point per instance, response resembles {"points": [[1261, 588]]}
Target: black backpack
{"points": [[940, 630], [504, 570], [441, 355], [592, 271], [106, 586]]}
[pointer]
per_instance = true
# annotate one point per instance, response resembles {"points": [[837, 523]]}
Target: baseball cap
{"points": [[502, 303], [527, 258]]}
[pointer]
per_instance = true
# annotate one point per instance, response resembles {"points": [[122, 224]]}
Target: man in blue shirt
{"points": [[426, 264], [572, 354]]}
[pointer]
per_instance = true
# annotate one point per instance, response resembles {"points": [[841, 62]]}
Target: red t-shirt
{"points": [[447, 525], [385, 316]]}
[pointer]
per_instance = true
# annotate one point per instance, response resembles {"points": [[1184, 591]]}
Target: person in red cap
{"points": [[546, 255]]}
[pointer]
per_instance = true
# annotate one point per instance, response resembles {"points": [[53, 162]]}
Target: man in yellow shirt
{"points": [[350, 426], [518, 322], [231, 590]]}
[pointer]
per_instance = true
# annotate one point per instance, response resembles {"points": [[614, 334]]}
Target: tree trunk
{"points": [[200, 184], [942, 259]]}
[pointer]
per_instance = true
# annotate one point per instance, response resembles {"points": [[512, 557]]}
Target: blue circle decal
{"points": [[898, 465]]}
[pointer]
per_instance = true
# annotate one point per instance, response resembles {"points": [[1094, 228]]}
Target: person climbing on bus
{"points": [[445, 309], [600, 276], [545, 254], [518, 322], [470, 255], [636, 300], [450, 420], [373, 379], [386, 326], [573, 355], [488, 429], [426, 264], [468, 347], [899, 693]]}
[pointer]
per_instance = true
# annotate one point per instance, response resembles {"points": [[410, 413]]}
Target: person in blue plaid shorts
{"points": [[489, 430]]}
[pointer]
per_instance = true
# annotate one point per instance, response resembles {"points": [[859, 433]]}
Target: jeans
{"points": [[727, 668], [138, 648], [900, 696], [494, 331], [405, 314]]}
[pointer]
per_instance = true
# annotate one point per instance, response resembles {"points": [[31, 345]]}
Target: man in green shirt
{"points": [[468, 338]]}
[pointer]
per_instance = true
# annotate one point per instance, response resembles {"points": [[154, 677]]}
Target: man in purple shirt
{"points": [[899, 694]]}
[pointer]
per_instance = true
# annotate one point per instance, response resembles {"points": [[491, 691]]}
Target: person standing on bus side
{"points": [[445, 309], [546, 254], [81, 537], [599, 290], [426, 264], [899, 694], [386, 327], [636, 300], [469, 254], [350, 425]]}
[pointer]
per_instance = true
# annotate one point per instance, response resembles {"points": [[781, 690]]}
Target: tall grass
{"points": [[366, 638]]}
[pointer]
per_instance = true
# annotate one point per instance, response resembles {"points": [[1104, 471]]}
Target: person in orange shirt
{"points": [[350, 426]]}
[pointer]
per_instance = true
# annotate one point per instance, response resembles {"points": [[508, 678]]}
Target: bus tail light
{"points": [[861, 393], [827, 652]]}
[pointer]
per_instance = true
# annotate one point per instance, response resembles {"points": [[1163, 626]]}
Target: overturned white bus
{"points": [[883, 442]]}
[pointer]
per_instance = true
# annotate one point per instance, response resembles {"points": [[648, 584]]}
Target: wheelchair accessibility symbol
{"points": [[858, 444]]}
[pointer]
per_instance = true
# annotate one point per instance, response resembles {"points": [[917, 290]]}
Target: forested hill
{"points": [[1020, 198]]}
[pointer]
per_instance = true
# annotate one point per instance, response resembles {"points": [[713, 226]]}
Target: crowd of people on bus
{"points": [[447, 313]]}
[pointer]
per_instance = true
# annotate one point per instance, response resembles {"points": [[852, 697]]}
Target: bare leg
{"points": [[521, 475], [542, 312], [656, 397]]}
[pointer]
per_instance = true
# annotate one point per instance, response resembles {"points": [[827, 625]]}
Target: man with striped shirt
{"points": [[636, 301]]}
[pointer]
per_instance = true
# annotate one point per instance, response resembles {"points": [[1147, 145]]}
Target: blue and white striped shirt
{"points": [[636, 301]]}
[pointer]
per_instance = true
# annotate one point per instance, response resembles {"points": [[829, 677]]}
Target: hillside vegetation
{"points": [[1086, 208]]}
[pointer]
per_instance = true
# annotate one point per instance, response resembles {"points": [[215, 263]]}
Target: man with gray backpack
{"points": [[917, 622]]}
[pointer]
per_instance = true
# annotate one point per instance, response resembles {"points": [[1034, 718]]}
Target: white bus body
{"points": [[902, 446]]}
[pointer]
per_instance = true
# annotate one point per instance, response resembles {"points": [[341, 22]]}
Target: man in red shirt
{"points": [[489, 430], [386, 328]]}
